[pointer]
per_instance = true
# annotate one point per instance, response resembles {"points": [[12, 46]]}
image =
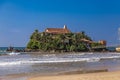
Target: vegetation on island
{"points": [[69, 42]]}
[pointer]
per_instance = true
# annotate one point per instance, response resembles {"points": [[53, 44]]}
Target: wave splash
{"points": [[56, 58], [13, 53]]}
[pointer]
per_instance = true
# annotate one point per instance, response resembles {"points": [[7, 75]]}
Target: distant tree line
{"points": [[42, 41]]}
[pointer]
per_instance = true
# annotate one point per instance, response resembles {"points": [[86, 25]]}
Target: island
{"points": [[63, 40]]}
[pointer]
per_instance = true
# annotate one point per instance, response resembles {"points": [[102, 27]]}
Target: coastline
{"points": [[100, 75], [70, 72], [87, 76]]}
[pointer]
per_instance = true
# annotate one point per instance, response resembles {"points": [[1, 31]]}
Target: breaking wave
{"points": [[25, 60], [13, 53]]}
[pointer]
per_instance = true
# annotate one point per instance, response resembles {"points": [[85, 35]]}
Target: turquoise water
{"points": [[111, 48], [3, 49]]}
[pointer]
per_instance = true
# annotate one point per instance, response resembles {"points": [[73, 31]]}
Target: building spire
{"points": [[65, 27]]}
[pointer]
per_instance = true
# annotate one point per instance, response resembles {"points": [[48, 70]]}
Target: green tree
{"points": [[35, 35], [95, 44], [29, 44], [72, 48], [66, 42]]}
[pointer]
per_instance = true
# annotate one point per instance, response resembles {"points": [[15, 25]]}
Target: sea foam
{"points": [[12, 60]]}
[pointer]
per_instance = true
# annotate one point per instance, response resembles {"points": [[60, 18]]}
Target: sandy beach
{"points": [[89, 76]]}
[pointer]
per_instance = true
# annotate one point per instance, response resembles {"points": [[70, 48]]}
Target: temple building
{"points": [[63, 30]]}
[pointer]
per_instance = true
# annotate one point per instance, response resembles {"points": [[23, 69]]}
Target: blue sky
{"points": [[100, 19]]}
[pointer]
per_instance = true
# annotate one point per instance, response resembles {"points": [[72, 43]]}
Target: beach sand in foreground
{"points": [[88, 76]]}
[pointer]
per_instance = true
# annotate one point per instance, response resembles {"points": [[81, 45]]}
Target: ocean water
{"points": [[18, 63], [3, 49]]}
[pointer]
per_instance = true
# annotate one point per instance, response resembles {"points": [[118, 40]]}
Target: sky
{"points": [[100, 19]]}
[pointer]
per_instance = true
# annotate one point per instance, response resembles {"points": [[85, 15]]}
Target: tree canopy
{"points": [[58, 42]]}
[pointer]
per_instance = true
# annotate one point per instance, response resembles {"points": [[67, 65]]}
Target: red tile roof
{"points": [[57, 30]]}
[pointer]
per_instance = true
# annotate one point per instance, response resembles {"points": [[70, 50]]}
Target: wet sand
{"points": [[87, 76]]}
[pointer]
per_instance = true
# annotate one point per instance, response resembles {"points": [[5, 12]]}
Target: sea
{"points": [[53, 63]]}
